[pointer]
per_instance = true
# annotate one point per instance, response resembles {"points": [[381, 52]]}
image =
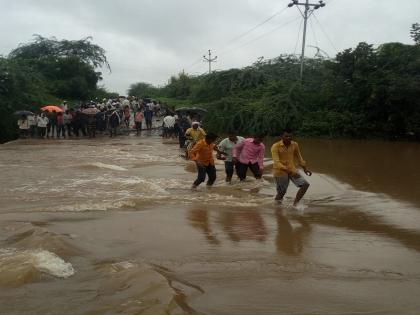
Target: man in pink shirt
{"points": [[249, 153]]}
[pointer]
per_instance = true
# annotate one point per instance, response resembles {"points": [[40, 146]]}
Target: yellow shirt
{"points": [[195, 134], [285, 157], [202, 152]]}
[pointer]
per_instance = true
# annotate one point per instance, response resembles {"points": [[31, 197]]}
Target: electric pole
{"points": [[209, 60], [309, 9]]}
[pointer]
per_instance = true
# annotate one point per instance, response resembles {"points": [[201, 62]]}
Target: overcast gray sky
{"points": [[149, 40]]}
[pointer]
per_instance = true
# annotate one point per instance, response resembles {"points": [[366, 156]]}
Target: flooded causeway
{"points": [[110, 226]]}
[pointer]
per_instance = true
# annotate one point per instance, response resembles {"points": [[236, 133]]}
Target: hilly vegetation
{"points": [[362, 92]]}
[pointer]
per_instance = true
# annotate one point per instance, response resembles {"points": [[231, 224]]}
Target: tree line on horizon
{"points": [[364, 92], [47, 70]]}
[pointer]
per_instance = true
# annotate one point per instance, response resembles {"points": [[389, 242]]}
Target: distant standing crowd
{"points": [[87, 119]]}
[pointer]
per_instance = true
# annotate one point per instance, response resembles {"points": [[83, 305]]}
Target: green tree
{"points": [[363, 92], [69, 67], [20, 88], [44, 71], [415, 33], [143, 89]]}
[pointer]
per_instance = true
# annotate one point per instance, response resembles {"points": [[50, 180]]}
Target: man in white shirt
{"points": [[168, 126], [42, 123], [226, 146]]}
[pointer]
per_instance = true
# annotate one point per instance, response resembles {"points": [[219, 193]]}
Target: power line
{"points": [[298, 37], [261, 36], [294, 2], [313, 32], [258, 25], [236, 38], [193, 64], [325, 33]]}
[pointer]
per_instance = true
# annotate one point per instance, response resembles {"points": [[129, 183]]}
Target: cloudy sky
{"points": [[150, 40]]}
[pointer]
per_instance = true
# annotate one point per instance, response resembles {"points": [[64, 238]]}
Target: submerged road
{"points": [[109, 226]]}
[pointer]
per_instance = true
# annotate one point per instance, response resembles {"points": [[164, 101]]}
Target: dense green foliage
{"points": [[45, 71], [20, 88], [415, 33], [363, 92], [143, 90]]}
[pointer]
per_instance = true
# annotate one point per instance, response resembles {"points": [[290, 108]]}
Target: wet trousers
{"points": [[202, 170], [241, 170]]}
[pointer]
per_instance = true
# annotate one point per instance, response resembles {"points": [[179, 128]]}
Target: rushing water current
{"points": [[110, 226]]}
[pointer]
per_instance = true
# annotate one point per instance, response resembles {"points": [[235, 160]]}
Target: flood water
{"points": [[110, 226]]}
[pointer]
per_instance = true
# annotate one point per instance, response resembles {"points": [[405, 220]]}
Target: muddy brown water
{"points": [[109, 226]]}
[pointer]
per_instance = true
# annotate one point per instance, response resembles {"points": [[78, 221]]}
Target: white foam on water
{"points": [[108, 166], [155, 158], [43, 260], [300, 207], [50, 263]]}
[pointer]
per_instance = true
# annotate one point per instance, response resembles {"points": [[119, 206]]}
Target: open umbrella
{"points": [[24, 112], [51, 108]]}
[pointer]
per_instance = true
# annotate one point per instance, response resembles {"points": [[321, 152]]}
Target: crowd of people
{"points": [[238, 153], [108, 116]]}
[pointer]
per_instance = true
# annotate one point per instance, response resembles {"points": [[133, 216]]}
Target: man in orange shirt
{"points": [[202, 154]]}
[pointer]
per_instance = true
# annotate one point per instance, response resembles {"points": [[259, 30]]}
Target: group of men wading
{"points": [[241, 154]]}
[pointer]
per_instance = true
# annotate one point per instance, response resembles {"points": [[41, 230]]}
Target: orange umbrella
{"points": [[51, 108]]}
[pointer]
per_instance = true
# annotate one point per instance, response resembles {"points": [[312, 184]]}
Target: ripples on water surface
{"points": [[110, 226]]}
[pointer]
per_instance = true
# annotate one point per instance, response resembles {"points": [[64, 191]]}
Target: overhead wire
{"points": [[236, 38], [298, 37], [262, 36], [193, 64], [325, 33], [313, 32], [242, 35], [257, 26]]}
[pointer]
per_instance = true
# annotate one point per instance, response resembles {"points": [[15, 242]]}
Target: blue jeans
{"points": [[229, 167]]}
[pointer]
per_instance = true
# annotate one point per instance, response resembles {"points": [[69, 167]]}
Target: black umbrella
{"points": [[24, 112]]}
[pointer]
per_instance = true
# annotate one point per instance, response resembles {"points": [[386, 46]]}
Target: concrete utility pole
{"points": [[209, 60], [309, 9]]}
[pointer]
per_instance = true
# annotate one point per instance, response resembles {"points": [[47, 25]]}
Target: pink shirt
{"points": [[249, 152]]}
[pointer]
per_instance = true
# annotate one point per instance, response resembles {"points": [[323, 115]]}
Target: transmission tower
{"points": [[309, 9], [210, 60]]}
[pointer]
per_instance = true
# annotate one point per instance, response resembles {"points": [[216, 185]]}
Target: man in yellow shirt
{"points": [[193, 135], [285, 153]]}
